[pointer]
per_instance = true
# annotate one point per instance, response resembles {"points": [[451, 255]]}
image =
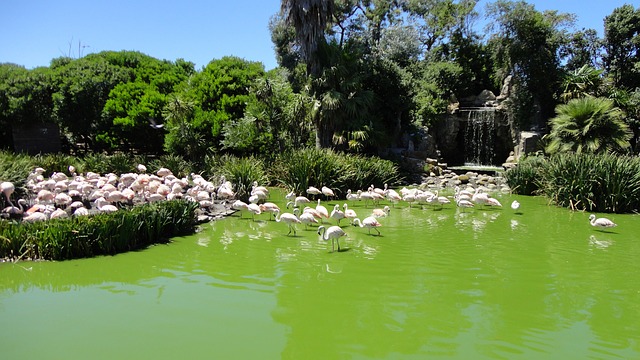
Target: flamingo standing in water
{"points": [[369, 223], [601, 222], [290, 219], [333, 232], [337, 213]]}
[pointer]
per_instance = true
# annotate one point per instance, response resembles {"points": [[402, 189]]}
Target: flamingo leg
{"points": [[377, 231]]}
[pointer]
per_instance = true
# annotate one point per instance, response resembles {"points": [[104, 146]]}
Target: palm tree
{"points": [[309, 18], [588, 125], [580, 83]]}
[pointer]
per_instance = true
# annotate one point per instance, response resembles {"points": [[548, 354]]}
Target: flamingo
{"points": [[240, 206], [463, 203], [349, 213], [515, 205], [601, 222], [298, 200], [391, 195], [13, 211], [104, 206], [36, 216], [368, 222], [290, 219], [326, 191], [7, 188], [259, 188], [254, 209], [313, 191], [307, 218], [351, 196], [337, 214], [322, 210], [270, 208], [333, 233], [380, 213]]}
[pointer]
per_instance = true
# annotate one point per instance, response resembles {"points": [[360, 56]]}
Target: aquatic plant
{"points": [[100, 234]]}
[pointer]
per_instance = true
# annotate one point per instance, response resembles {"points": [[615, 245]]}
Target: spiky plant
{"points": [[588, 125]]}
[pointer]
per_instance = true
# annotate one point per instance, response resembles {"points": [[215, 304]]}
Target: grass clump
{"points": [[241, 171], [100, 234], [600, 183], [300, 169], [526, 177]]}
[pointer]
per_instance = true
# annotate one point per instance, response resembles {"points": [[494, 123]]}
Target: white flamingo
{"points": [[326, 191], [254, 209], [333, 232], [337, 214], [515, 205], [322, 210], [349, 214], [240, 206], [290, 219], [307, 218], [270, 208], [369, 223], [380, 213], [601, 222]]}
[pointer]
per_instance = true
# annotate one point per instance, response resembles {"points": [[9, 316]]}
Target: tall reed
{"points": [[603, 183], [526, 177]]}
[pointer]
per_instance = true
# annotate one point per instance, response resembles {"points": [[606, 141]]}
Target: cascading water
{"points": [[479, 137]]}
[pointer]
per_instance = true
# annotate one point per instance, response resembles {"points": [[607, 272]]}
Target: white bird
{"points": [[380, 213], [240, 206], [351, 196], [290, 219], [254, 209], [333, 232], [14, 211], [104, 206], [298, 201], [349, 214], [322, 210], [337, 214], [270, 207], [307, 218], [369, 223], [326, 191], [601, 222], [515, 205], [313, 191], [36, 216], [463, 203]]}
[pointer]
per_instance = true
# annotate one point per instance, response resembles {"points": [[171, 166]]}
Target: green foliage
{"points": [[589, 125], [15, 168], [242, 172], [177, 164], [526, 177], [622, 45], [55, 163], [100, 234], [324, 167], [582, 82], [602, 183]]}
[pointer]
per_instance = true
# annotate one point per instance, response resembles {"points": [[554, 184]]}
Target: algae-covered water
{"points": [[472, 284]]}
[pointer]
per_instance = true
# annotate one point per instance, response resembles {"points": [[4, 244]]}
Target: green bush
{"points": [[242, 172], [15, 168], [602, 183], [100, 234], [526, 177], [300, 169]]}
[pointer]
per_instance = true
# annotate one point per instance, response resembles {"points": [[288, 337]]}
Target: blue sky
{"points": [[32, 32]]}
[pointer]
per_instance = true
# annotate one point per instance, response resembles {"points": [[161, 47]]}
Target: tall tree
{"points": [[525, 45], [309, 18], [622, 45]]}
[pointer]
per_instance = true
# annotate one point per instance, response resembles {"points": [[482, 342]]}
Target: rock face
{"points": [[529, 143]]}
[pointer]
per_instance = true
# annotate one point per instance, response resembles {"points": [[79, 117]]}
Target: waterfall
{"points": [[479, 137]]}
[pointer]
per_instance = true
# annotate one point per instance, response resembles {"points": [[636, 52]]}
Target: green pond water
{"points": [[449, 284]]}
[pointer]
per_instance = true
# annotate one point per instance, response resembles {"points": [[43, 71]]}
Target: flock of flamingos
{"points": [[63, 196]]}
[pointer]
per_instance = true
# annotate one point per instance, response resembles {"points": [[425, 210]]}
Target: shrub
{"points": [[526, 177], [313, 167], [100, 234], [242, 172], [603, 183]]}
